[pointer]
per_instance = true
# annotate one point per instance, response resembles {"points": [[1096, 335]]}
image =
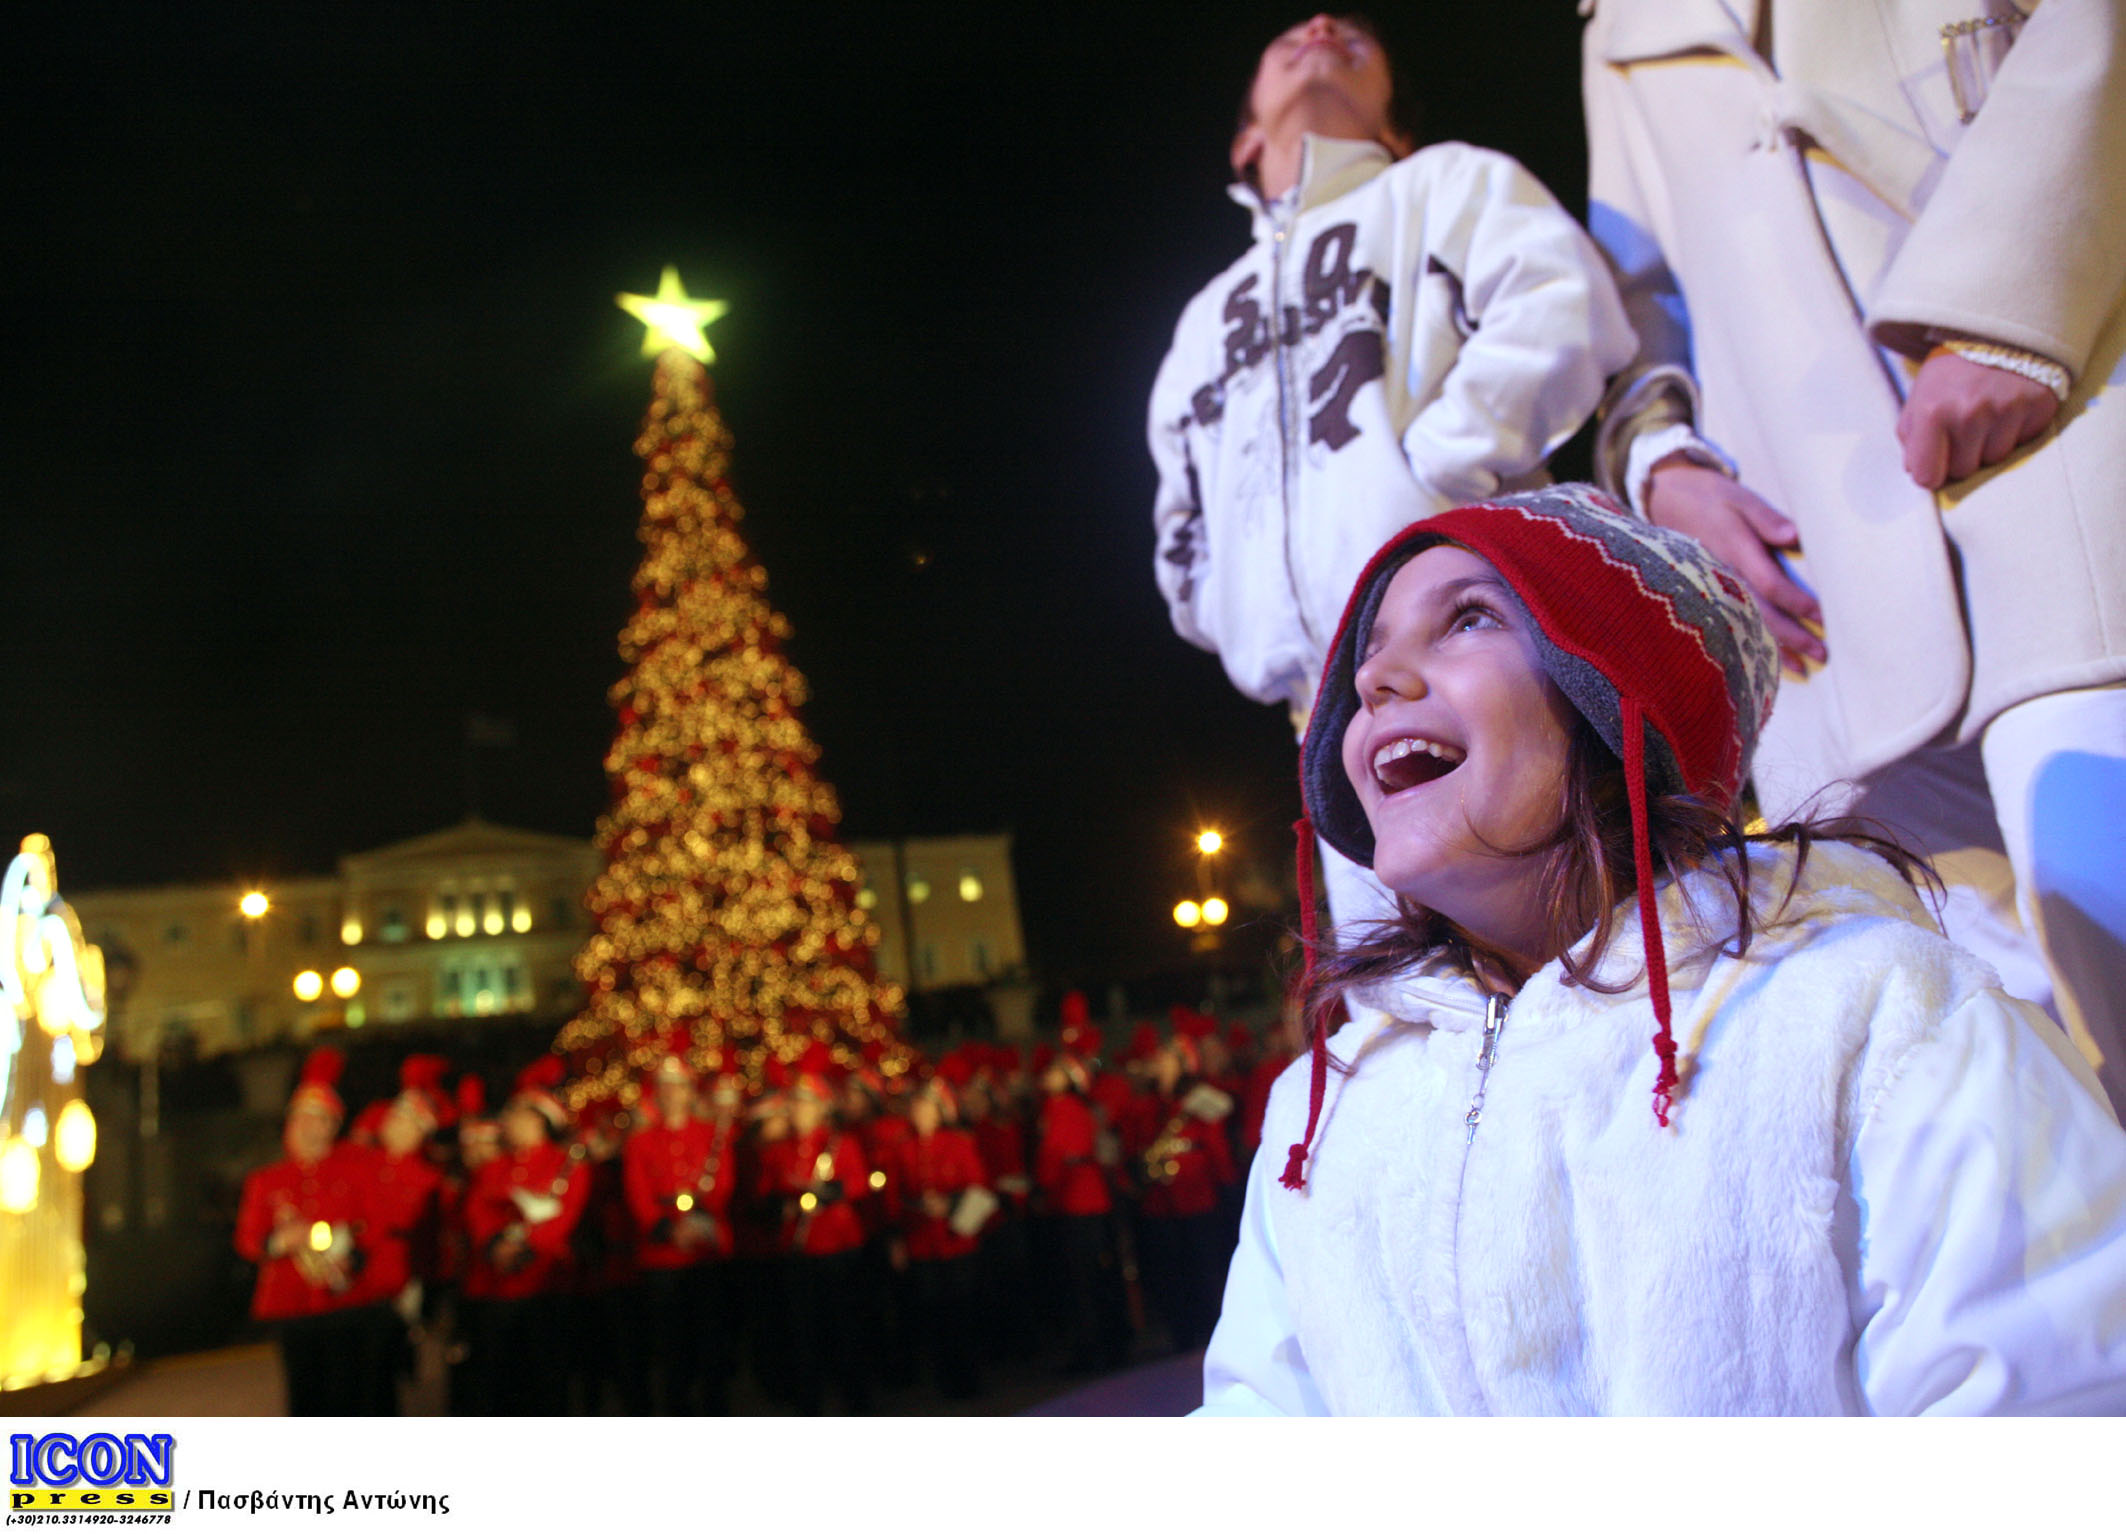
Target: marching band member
{"points": [[821, 1178], [679, 1171], [1183, 1165], [941, 1199], [405, 1231], [521, 1215], [304, 1221], [1080, 1208]]}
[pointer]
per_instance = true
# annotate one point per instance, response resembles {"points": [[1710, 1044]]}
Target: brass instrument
{"points": [[1162, 1159]]}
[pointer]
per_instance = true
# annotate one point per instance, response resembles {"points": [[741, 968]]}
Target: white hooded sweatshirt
{"points": [[1887, 1187], [1402, 337]]}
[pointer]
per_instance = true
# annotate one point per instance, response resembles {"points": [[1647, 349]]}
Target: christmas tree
{"points": [[726, 914]]}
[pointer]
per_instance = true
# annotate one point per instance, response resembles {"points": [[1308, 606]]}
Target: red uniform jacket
{"points": [[791, 1168], [661, 1164], [405, 1224], [543, 1172], [946, 1163], [1192, 1165], [335, 1191], [605, 1236], [882, 1135], [1064, 1168], [1002, 1143]]}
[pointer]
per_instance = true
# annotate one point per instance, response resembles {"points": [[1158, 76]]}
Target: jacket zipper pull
{"points": [[1494, 1025]]}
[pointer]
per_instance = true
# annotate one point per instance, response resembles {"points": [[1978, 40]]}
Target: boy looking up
{"points": [[1410, 329]]}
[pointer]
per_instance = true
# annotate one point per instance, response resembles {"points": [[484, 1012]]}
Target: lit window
{"points": [[438, 924], [866, 899], [492, 920], [351, 930], [520, 919], [970, 885], [466, 920], [918, 890], [392, 929]]}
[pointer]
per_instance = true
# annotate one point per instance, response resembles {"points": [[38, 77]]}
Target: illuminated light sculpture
{"points": [[673, 321], [51, 1023], [727, 911]]}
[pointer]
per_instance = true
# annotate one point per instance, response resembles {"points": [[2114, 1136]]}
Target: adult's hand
{"points": [[1963, 416], [1743, 529]]}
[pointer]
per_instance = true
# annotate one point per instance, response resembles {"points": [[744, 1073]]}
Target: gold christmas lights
{"points": [[727, 906]]}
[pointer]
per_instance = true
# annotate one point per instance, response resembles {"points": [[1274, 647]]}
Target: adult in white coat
{"points": [[1875, 252], [1409, 329]]}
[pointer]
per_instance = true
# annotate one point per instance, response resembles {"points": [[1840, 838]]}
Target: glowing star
{"points": [[674, 319]]}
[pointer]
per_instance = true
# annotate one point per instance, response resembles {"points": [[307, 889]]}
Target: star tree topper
{"points": [[673, 319]]}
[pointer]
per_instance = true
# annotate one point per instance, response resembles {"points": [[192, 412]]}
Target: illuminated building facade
{"points": [[478, 920], [947, 909], [474, 921]]}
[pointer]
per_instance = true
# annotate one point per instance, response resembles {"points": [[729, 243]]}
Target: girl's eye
{"points": [[1473, 615]]}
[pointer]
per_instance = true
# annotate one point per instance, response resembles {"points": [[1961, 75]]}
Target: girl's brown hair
{"points": [[1588, 874]]}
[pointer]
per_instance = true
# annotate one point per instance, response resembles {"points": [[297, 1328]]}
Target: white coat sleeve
{"points": [[1254, 1366], [1656, 392], [1547, 330], [1991, 1180], [1178, 549], [2023, 239]]}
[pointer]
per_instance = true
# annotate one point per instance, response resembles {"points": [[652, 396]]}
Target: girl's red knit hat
{"points": [[1652, 639]]}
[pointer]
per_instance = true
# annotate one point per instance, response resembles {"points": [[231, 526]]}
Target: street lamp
{"points": [[309, 985], [254, 904], [1215, 912], [346, 980], [1188, 914], [1208, 842]]}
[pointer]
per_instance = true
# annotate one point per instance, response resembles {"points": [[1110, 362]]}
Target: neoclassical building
{"points": [[477, 920]]}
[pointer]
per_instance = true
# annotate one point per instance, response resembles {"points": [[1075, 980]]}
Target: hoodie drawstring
{"points": [[1309, 929], [1642, 855]]}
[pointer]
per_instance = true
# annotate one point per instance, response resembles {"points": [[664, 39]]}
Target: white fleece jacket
{"points": [[1887, 1187], [1401, 337]]}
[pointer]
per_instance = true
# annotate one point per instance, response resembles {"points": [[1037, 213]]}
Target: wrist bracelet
{"points": [[2011, 359]]}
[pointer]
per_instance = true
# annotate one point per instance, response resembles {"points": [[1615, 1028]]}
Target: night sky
{"points": [[319, 410]]}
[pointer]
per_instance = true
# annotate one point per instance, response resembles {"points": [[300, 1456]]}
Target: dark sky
{"points": [[319, 409]]}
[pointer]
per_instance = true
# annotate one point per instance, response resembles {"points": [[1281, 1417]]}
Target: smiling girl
{"points": [[1635, 1112]]}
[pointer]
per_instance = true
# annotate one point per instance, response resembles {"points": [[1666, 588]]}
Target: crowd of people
{"points": [[826, 1230]]}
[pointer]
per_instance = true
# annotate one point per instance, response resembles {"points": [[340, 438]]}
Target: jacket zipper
{"points": [[1279, 243], [1487, 1053], [1494, 1025]]}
